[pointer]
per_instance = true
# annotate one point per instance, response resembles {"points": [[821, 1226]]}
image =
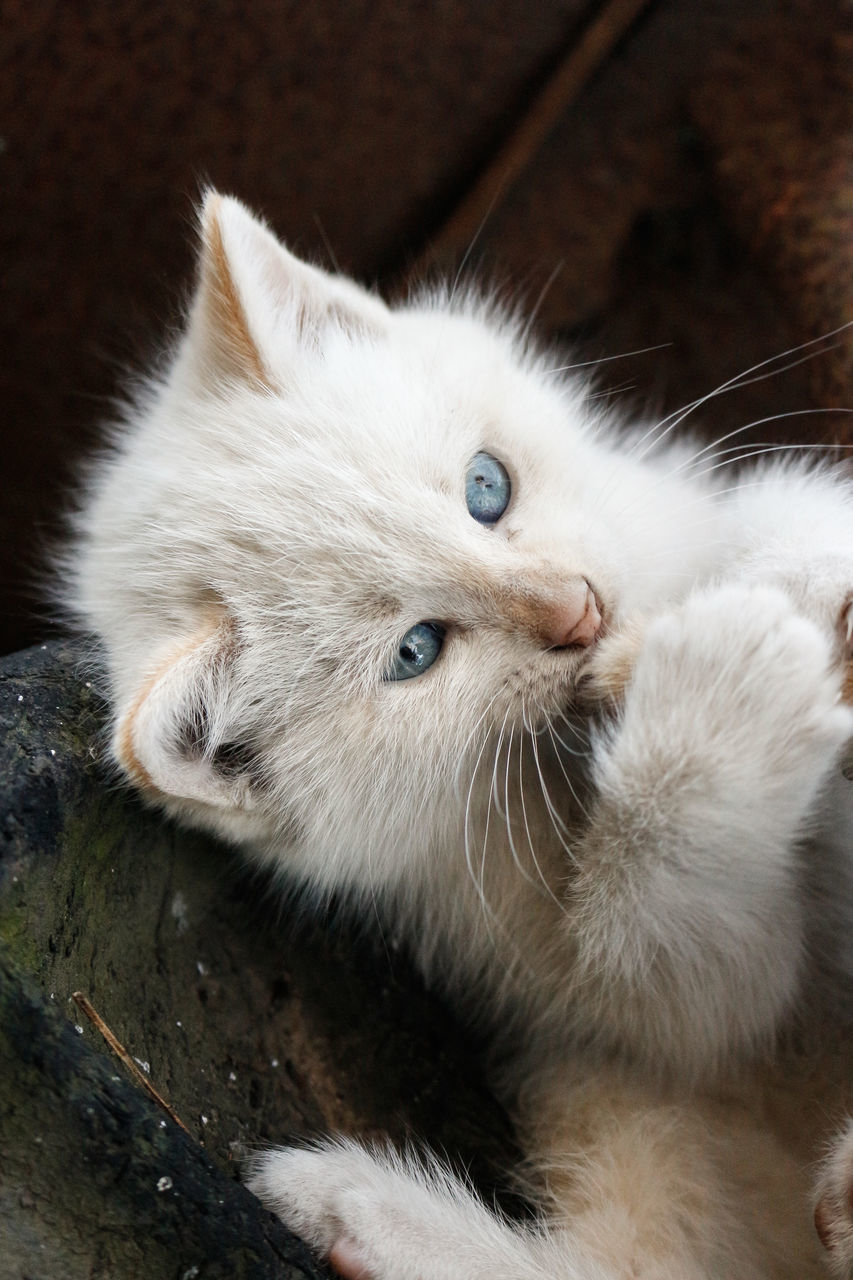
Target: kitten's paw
{"points": [[320, 1192], [834, 1206], [820, 587], [377, 1216], [755, 678]]}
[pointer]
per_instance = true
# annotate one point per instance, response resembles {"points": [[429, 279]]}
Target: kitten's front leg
{"points": [[683, 909]]}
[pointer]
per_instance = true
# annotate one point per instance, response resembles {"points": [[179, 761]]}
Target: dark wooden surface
{"points": [[257, 1021], [357, 128]]}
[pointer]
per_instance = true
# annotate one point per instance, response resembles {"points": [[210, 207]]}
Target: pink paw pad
{"points": [[347, 1260]]}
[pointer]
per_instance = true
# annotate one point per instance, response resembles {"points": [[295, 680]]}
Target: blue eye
{"points": [[417, 651], [487, 488]]}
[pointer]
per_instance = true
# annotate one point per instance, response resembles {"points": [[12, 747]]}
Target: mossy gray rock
{"points": [[256, 1020]]}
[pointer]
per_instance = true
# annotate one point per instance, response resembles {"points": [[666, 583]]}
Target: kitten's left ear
{"points": [[165, 739], [255, 301]]}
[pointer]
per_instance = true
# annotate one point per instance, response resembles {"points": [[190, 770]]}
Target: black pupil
{"points": [[408, 653]]}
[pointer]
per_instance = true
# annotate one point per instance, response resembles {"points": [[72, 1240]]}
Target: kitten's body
{"points": [[589, 815]]}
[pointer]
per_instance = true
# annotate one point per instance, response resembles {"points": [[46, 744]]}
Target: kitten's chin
{"points": [[243, 826]]}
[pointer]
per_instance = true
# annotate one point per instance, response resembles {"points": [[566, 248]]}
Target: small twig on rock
{"points": [[122, 1053]]}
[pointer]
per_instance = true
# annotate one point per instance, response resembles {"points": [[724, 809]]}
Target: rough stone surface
{"points": [[256, 1021]]}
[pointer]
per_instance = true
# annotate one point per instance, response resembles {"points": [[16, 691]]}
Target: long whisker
{"points": [[757, 422], [561, 830], [546, 886], [738, 381], [491, 801], [538, 304], [555, 739], [622, 355], [520, 867], [464, 748], [499, 807], [582, 736], [488, 914]]}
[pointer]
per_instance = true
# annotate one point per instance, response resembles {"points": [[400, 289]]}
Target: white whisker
{"points": [[738, 381], [555, 740], [522, 870], [622, 355], [546, 886]]}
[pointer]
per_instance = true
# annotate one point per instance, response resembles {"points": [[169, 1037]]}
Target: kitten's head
{"points": [[336, 548]]}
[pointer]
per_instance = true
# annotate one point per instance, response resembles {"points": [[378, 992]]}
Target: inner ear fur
{"points": [[254, 298], [173, 739]]}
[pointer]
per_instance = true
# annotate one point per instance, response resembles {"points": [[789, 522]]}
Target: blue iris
{"points": [[487, 488], [417, 651]]}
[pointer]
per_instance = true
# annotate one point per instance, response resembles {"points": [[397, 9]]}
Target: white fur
{"points": [[632, 888]]}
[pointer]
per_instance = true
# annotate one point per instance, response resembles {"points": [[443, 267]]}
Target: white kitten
{"points": [[388, 601]]}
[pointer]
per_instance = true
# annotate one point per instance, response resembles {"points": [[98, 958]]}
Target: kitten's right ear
{"points": [[255, 302], [172, 739]]}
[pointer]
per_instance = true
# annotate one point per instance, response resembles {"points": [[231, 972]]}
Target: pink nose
{"points": [[577, 620]]}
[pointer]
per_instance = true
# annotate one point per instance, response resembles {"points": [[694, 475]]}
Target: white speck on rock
{"points": [[232, 1075], [179, 912], [20, 697], [78, 1028], [146, 1066], [164, 1184]]}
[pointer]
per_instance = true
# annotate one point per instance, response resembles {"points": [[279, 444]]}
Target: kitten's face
{"points": [[343, 548]]}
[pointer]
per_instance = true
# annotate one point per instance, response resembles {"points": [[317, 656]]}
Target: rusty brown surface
{"points": [[780, 139], [357, 128]]}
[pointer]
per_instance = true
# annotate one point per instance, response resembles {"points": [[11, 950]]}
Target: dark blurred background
{"points": [[696, 191]]}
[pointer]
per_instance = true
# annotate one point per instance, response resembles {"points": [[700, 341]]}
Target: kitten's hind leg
{"points": [[636, 1184]]}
